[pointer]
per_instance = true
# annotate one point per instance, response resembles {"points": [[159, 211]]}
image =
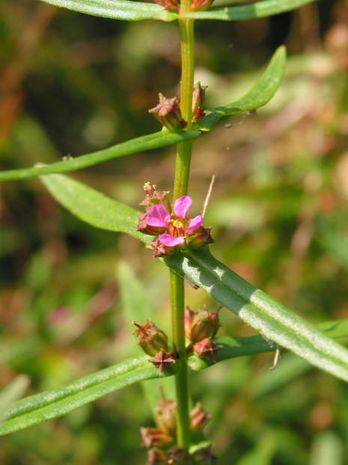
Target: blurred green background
{"points": [[71, 84]]}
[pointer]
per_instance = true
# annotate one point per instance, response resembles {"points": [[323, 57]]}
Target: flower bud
{"points": [[163, 360], [204, 325], [197, 102], [198, 418], [199, 238], [156, 457], [199, 5], [151, 339], [168, 113], [206, 349], [153, 437], [165, 413], [170, 5]]}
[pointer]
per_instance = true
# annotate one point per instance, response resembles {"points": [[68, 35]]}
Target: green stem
{"points": [[184, 149], [181, 378], [182, 174]]}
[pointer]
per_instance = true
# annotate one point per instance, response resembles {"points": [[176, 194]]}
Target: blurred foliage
{"points": [[71, 84]]}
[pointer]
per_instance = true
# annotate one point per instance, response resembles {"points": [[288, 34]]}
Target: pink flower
{"points": [[173, 229]]}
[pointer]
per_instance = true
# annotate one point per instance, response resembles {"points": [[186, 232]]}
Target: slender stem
{"points": [[181, 378], [184, 149], [182, 174]]}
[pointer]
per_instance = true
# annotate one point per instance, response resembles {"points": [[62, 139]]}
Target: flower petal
{"points": [[170, 241], [158, 216], [182, 205], [194, 224]]}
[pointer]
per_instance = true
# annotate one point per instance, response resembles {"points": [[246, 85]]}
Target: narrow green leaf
{"points": [[248, 12], [58, 402], [93, 207], [274, 321], [257, 97], [11, 393], [252, 345], [116, 9], [149, 142]]}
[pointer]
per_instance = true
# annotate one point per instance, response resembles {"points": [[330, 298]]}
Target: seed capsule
{"points": [[198, 418], [165, 413], [199, 5], [156, 457], [197, 102], [153, 437], [206, 349], [170, 5], [163, 360], [150, 338], [168, 113], [200, 238], [203, 324]]}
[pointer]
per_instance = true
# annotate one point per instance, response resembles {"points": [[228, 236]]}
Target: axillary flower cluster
{"points": [[200, 330], [160, 439], [172, 228]]}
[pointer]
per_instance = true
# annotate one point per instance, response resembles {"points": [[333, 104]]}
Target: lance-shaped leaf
{"points": [[58, 402], [274, 321], [93, 207], [127, 10], [149, 142], [259, 95], [11, 393], [248, 12]]}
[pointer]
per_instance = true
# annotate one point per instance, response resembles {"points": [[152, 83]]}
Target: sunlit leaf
{"points": [[11, 393], [273, 320], [93, 207], [149, 142], [58, 402], [248, 12], [257, 97], [127, 10]]}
